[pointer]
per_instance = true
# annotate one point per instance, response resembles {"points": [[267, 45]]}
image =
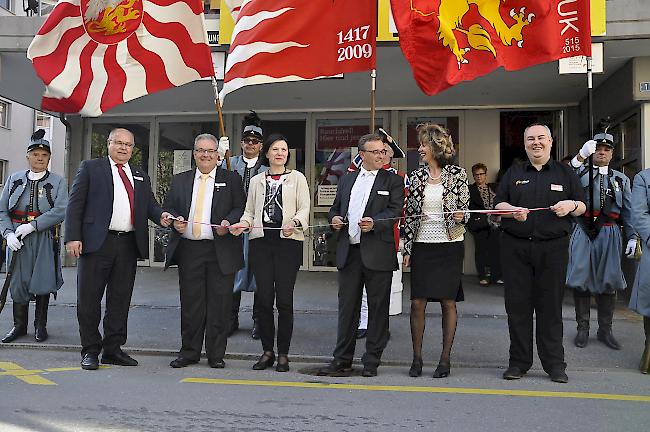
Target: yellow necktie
{"points": [[198, 209]]}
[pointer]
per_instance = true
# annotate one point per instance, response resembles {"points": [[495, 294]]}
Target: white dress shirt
{"points": [[250, 163], [121, 216], [206, 230], [358, 199]]}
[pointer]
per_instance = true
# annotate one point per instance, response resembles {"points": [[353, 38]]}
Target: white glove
{"points": [[630, 248], [12, 242], [224, 146], [588, 149], [24, 230]]}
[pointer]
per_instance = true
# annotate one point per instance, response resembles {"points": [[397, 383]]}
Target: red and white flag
{"points": [[95, 54], [292, 40], [450, 41]]}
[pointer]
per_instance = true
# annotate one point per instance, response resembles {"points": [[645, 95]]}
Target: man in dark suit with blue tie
{"points": [[106, 229], [208, 257], [367, 203]]}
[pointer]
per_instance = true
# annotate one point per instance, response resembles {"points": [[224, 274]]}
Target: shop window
{"points": [[3, 171], [99, 144], [4, 114]]}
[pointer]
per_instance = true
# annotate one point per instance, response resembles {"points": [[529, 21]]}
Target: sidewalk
{"points": [[481, 339]]}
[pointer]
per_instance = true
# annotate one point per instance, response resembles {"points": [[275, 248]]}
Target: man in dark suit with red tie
{"points": [[208, 257], [106, 229], [367, 204]]}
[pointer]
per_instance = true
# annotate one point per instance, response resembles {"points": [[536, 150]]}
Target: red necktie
{"points": [[129, 190]]}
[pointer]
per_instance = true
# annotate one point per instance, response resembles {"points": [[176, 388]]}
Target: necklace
{"points": [[435, 178]]}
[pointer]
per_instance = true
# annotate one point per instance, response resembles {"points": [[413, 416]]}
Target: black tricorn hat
{"points": [[398, 153], [38, 142], [604, 139]]}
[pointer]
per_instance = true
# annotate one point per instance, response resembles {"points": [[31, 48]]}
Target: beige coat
{"points": [[296, 201]]}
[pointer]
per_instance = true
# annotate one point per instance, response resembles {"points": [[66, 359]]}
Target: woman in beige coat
{"points": [[277, 210]]}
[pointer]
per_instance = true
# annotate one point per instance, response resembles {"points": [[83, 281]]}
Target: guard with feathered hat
{"points": [[32, 206]]}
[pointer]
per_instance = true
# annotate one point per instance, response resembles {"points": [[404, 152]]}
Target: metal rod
{"points": [[590, 113], [222, 128], [373, 91]]}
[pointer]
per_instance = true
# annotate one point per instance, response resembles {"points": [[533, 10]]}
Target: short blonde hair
{"points": [[439, 140]]}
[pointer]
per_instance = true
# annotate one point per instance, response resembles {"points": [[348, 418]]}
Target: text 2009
{"points": [[357, 49]]}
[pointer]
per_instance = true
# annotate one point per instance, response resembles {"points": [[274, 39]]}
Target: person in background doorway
{"points": [[484, 228]]}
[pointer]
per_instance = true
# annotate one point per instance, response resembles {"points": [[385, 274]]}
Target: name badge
{"points": [[522, 182], [219, 185], [382, 192], [557, 188], [138, 178]]}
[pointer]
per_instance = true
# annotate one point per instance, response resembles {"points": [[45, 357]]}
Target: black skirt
{"points": [[436, 270]]}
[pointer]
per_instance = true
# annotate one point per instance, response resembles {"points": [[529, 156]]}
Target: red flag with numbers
{"points": [[450, 41], [95, 54], [291, 40]]}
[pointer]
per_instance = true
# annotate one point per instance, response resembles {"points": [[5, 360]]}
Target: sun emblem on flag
{"points": [[111, 21]]}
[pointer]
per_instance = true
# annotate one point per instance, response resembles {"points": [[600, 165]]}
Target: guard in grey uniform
{"points": [[596, 245], [32, 206]]}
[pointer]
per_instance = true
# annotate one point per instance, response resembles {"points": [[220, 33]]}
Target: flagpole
{"points": [[373, 91], [222, 127], [590, 113]]}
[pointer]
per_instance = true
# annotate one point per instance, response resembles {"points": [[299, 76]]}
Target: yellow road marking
{"points": [[25, 375], [417, 389]]}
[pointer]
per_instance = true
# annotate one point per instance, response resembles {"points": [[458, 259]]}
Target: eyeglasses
{"points": [[253, 141], [479, 174], [376, 152], [121, 143], [208, 152]]}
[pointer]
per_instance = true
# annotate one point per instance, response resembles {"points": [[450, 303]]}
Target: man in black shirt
{"points": [[535, 246]]}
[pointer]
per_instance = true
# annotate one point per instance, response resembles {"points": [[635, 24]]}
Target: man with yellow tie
{"points": [[207, 256]]}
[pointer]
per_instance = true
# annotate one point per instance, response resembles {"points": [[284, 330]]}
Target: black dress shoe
{"points": [[255, 334], [265, 361], [608, 339], [513, 373], [14, 334], [182, 362], [217, 364], [369, 371], [283, 364], [442, 371], [559, 376], [362, 333], [90, 361], [119, 358], [335, 368], [40, 334], [582, 338], [416, 367]]}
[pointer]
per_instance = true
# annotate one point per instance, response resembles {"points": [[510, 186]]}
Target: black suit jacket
{"points": [[228, 203], [90, 206], [386, 201]]}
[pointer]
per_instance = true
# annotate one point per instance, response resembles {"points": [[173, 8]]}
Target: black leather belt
{"points": [[120, 233], [355, 245], [534, 239]]}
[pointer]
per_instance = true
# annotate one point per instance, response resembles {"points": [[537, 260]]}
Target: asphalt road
{"points": [[153, 397]]}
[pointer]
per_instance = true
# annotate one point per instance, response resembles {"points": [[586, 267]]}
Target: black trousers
{"points": [[487, 254], [534, 283], [206, 298], [352, 279], [275, 262], [111, 269]]}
